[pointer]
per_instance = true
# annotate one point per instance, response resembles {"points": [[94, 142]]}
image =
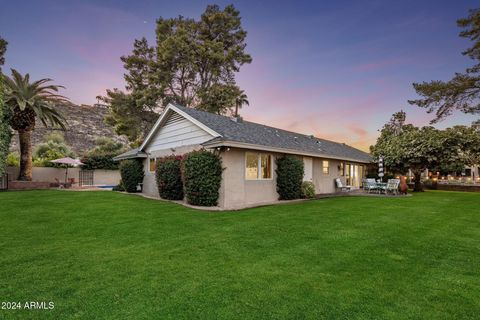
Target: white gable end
{"points": [[176, 131]]}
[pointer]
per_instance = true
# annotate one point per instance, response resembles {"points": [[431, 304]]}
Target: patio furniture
{"points": [[381, 187], [62, 185], [67, 161], [392, 186], [369, 185], [340, 185]]}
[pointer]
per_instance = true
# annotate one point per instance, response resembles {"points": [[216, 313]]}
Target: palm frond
{"points": [[38, 96]]}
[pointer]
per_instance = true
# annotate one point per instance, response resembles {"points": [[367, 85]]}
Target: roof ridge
{"points": [[264, 125]]}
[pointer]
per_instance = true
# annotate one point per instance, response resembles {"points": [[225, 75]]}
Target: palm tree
{"points": [[28, 100], [240, 100]]}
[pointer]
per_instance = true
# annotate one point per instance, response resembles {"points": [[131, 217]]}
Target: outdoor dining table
{"points": [[381, 186]]}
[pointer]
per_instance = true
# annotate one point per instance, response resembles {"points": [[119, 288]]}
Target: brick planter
{"points": [[30, 185]]}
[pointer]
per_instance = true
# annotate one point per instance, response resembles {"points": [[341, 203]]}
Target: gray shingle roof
{"points": [[258, 134]]}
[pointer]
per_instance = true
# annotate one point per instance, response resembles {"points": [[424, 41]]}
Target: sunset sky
{"points": [[336, 69]]}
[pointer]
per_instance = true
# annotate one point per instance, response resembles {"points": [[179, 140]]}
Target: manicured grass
{"points": [[104, 255]]}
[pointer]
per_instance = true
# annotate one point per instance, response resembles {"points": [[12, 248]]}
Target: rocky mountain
{"points": [[84, 126]]}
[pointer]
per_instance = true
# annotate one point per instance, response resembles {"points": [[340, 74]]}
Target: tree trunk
{"points": [[236, 110], [25, 137], [418, 187]]}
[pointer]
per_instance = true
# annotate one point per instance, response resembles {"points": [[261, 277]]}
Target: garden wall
{"points": [[455, 187], [46, 174]]}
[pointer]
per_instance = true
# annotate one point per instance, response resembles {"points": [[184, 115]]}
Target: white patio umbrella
{"points": [[69, 162]]}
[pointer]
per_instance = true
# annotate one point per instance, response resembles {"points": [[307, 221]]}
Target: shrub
{"points": [[101, 156], [308, 190], [105, 162], [5, 131], [169, 178], [107, 146], [119, 187], [289, 177], [13, 159], [202, 173], [132, 174], [52, 147]]}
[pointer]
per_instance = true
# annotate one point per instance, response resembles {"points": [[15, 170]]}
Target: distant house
{"points": [[248, 151]]}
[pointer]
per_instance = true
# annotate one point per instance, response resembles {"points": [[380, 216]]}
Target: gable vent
{"points": [[174, 118]]}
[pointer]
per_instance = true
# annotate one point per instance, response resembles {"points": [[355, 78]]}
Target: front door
{"points": [[308, 169]]}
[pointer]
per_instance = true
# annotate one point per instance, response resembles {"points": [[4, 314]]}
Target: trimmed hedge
{"points": [[202, 174], [105, 162], [308, 190], [169, 177], [132, 174], [289, 177]]}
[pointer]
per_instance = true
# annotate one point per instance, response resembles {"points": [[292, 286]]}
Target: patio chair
{"points": [[369, 185], [392, 186], [340, 186]]}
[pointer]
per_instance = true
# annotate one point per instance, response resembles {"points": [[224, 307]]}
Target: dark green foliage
{"points": [[193, 63], [5, 115], [53, 146], [417, 149], [132, 174], [3, 49], [308, 190], [169, 178], [5, 131], [289, 177], [462, 92], [104, 162], [119, 187], [202, 172], [101, 156]]}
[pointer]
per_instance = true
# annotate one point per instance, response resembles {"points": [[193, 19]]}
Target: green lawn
{"points": [[104, 255]]}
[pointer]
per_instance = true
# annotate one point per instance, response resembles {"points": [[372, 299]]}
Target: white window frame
{"points": [[259, 166]]}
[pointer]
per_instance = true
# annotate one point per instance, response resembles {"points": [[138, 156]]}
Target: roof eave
{"points": [[130, 156], [235, 144]]}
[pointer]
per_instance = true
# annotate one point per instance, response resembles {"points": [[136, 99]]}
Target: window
{"points": [[258, 166], [152, 165], [266, 166], [252, 166], [341, 168], [325, 167]]}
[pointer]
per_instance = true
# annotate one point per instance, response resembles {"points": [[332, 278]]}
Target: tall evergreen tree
{"points": [[462, 92], [193, 63]]}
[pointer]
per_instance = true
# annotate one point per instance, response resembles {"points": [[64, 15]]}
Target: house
{"points": [[248, 151]]}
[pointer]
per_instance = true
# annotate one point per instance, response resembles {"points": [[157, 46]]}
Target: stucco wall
{"points": [[46, 174], [325, 183], [149, 183], [236, 191]]}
